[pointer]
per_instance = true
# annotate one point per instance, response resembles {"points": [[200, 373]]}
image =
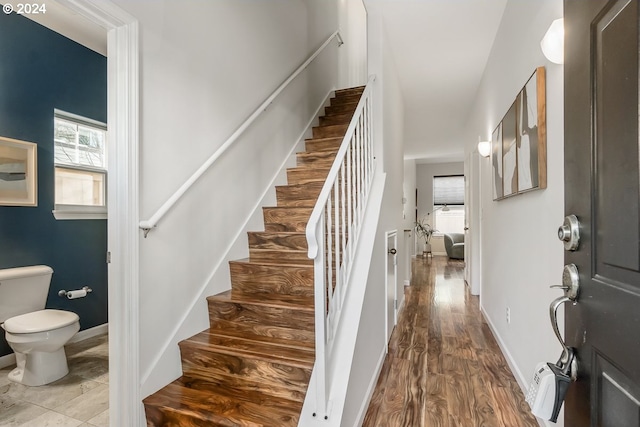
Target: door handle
{"points": [[393, 251], [571, 286]]}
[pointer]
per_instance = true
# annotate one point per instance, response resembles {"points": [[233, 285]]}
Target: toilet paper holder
{"points": [[63, 293]]}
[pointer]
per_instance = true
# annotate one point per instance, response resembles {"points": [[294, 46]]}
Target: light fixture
{"points": [[444, 208], [552, 43], [484, 148]]}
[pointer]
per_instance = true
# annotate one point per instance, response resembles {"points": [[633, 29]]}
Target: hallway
{"points": [[444, 367]]}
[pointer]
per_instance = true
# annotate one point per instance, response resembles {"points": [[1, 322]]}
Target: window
{"points": [[80, 167], [448, 191]]}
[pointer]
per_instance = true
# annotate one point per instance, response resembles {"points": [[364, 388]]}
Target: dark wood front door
{"points": [[602, 188]]}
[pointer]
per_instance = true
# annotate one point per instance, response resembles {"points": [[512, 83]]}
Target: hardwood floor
{"points": [[444, 367]]}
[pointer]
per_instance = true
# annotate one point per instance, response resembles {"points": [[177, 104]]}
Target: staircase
{"points": [[253, 365]]}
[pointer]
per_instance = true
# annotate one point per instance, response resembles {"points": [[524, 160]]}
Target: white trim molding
{"points": [[74, 212], [125, 407]]}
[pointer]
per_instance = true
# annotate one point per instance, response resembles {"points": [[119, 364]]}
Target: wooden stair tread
{"points": [[194, 402], [213, 342], [260, 277], [312, 169], [336, 139], [342, 126], [286, 240], [324, 158], [345, 107], [285, 218], [319, 154], [335, 119], [345, 99], [308, 345], [247, 261], [323, 144], [308, 173], [299, 302], [349, 90], [272, 246], [314, 186], [329, 131]]}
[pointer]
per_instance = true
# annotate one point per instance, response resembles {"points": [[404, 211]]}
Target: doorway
{"points": [[391, 281], [123, 233]]}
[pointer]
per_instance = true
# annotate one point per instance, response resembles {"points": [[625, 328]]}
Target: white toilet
{"points": [[37, 336]]}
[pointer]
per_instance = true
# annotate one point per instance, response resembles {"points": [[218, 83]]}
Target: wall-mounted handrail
{"points": [[332, 234], [149, 224]]}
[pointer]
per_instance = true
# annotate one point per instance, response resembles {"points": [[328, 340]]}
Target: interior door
{"points": [[391, 270], [468, 261], [602, 189]]}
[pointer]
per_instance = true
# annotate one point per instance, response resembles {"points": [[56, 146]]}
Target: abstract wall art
{"points": [[519, 142]]}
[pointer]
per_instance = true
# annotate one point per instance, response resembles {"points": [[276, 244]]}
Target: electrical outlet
{"points": [[508, 315]]}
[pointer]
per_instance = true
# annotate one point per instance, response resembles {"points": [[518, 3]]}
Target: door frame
{"points": [[473, 219], [393, 234], [125, 406]]}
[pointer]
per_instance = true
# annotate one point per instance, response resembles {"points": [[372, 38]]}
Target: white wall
{"points": [[205, 66], [353, 58], [521, 255], [424, 182], [389, 113], [409, 186]]}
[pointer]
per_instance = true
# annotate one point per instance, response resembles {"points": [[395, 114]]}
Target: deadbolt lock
{"points": [[569, 233]]}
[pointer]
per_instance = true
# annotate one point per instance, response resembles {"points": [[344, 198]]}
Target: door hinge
{"points": [[108, 257]]}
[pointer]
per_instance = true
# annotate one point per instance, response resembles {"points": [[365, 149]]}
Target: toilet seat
{"points": [[39, 321]]}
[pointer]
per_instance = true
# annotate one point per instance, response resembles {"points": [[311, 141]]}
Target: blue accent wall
{"points": [[41, 70]]}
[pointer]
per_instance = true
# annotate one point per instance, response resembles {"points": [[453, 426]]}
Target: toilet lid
{"points": [[39, 321]]}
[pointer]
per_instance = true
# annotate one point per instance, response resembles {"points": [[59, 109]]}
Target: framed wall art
{"points": [[519, 142], [18, 173]]}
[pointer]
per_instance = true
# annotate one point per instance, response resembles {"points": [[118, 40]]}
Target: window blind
{"points": [[448, 190]]}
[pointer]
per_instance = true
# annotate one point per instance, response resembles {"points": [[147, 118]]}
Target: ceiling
{"points": [[440, 49], [71, 25]]}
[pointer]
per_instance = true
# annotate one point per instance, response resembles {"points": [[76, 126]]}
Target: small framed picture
{"points": [[18, 173]]}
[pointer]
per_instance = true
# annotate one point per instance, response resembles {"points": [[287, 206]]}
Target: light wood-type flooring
{"points": [[444, 367]]}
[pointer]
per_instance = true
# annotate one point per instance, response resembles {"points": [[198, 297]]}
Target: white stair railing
{"points": [[149, 224], [332, 234]]}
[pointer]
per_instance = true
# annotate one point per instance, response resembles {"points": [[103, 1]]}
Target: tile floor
{"points": [[80, 399]]}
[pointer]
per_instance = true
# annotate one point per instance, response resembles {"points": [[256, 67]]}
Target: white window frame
{"points": [[81, 212], [437, 208]]}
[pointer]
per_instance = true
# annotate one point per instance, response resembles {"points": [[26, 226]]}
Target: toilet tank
{"points": [[23, 290]]}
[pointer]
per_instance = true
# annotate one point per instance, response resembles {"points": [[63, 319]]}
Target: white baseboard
{"points": [[520, 378], [90, 333], [10, 359], [407, 283], [370, 390]]}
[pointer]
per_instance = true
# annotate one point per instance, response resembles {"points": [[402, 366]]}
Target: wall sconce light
{"points": [[552, 43], [484, 148]]}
